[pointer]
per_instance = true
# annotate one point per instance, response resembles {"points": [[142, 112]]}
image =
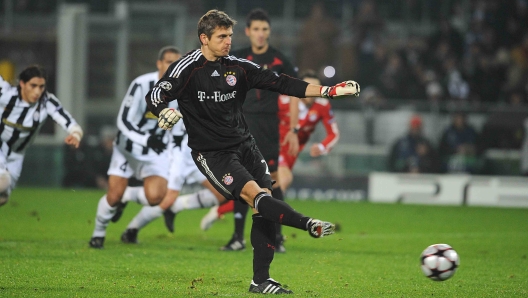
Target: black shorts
{"points": [[265, 129], [229, 170]]}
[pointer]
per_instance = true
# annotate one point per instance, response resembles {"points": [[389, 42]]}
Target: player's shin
{"points": [[5, 184], [103, 216], [227, 207], [279, 195], [279, 211], [145, 216], [135, 194], [5, 180], [201, 199], [263, 242], [240, 213]]}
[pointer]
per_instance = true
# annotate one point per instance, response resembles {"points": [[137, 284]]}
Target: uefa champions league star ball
{"points": [[439, 262]]}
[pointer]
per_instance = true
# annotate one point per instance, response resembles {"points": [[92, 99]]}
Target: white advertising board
{"points": [[448, 189]]}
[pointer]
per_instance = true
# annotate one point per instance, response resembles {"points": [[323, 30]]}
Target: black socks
{"points": [[240, 213], [263, 242], [279, 195], [279, 212]]}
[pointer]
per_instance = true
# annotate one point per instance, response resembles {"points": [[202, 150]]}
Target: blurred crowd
{"points": [[459, 150], [473, 54], [478, 54]]}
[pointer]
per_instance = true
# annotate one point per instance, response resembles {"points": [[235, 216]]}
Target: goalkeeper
{"points": [[211, 87]]}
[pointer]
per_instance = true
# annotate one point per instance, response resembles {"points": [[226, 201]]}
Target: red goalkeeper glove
{"points": [[342, 89]]}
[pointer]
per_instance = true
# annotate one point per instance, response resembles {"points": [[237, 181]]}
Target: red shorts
{"points": [[286, 160]]}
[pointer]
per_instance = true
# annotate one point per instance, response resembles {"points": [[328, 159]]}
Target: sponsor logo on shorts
{"points": [[228, 179]]}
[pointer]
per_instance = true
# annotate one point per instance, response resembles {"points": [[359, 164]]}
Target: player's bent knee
{"points": [[170, 197], [113, 198], [154, 201], [155, 195], [250, 191]]}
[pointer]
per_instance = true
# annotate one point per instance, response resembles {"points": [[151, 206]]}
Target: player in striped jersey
{"points": [[25, 108], [139, 150], [182, 170]]}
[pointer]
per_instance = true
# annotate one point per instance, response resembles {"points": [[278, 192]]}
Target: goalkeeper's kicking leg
{"points": [[268, 211]]}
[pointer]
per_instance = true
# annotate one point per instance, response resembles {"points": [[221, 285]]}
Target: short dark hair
{"points": [[309, 73], [257, 14], [213, 19], [167, 49], [32, 71]]}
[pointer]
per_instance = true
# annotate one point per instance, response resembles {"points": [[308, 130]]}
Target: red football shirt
{"points": [[321, 110]]}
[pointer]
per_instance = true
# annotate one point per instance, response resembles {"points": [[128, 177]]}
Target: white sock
{"points": [[146, 215], [135, 194], [202, 199], [131, 194], [103, 216]]}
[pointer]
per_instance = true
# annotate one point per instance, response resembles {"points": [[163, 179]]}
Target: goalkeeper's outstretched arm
{"points": [[346, 88]]}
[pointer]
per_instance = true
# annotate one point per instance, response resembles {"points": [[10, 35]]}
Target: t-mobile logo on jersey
{"points": [[218, 97]]}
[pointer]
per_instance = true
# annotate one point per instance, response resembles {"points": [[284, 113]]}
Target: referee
{"points": [[211, 87], [260, 111]]}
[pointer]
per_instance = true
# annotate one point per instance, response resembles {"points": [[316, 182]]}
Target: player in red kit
{"points": [[311, 111]]}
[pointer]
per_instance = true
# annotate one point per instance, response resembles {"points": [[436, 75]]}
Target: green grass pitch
{"points": [[44, 235]]}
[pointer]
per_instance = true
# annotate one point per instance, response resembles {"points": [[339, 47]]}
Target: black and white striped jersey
{"points": [[210, 96], [21, 121], [134, 121]]}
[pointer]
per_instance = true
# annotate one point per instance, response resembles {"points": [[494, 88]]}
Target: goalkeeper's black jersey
{"points": [[265, 101], [211, 94]]}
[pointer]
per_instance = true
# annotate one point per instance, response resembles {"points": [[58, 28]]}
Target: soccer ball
{"points": [[439, 262]]}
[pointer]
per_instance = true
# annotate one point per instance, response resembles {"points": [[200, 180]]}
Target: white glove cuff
{"points": [[76, 131], [322, 148], [324, 91]]}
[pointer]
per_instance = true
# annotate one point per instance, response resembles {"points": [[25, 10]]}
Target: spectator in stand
{"points": [[503, 128], [321, 30], [456, 85], [413, 153], [446, 33], [395, 77], [367, 27], [371, 66], [458, 147], [434, 92], [519, 67]]}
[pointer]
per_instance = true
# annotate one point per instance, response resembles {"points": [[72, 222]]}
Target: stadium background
{"points": [[411, 57]]}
